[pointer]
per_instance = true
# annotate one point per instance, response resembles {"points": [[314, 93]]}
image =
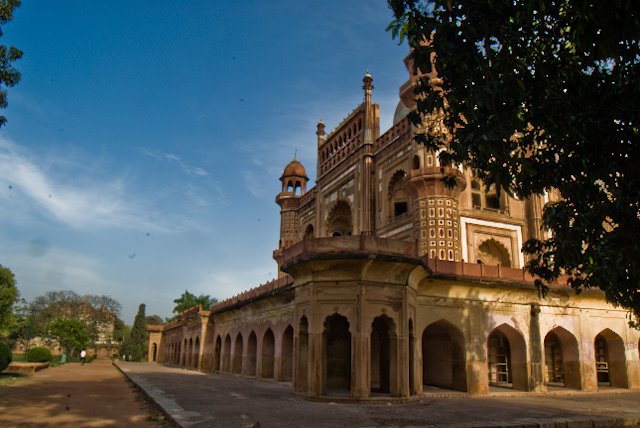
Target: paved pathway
{"points": [[194, 399], [92, 395]]}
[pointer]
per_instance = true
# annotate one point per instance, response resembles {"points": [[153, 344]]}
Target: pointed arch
{"points": [[309, 232], [252, 345], [383, 358], [268, 353], [237, 354], [611, 364], [195, 355], [217, 355], [507, 358], [226, 354], [339, 221], [493, 253], [397, 196], [337, 353], [443, 356], [154, 352], [562, 359], [286, 354]]}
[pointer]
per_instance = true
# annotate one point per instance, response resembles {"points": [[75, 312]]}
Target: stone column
{"points": [[536, 351], [360, 348], [316, 378], [476, 352]]}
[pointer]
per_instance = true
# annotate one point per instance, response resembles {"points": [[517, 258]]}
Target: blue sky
{"points": [[145, 141]]}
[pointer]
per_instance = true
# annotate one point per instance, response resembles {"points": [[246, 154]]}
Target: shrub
{"points": [[39, 355], [5, 356]]}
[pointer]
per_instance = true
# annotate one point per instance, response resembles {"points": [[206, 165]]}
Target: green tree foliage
{"points": [[154, 320], [135, 346], [120, 331], [540, 95], [70, 333], [21, 325], [9, 76], [8, 296], [187, 301], [96, 312]]}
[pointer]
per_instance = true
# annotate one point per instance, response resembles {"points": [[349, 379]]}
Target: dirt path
{"points": [[92, 395]]}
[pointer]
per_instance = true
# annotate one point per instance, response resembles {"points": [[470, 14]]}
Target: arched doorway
{"points": [[286, 355], [398, 199], [268, 354], [226, 354], [610, 359], [443, 356], [308, 232], [185, 354], [196, 353], [217, 356], [339, 222], [252, 346], [493, 253], [237, 355], [383, 355], [302, 359], [154, 352], [507, 358], [337, 355], [561, 358]]}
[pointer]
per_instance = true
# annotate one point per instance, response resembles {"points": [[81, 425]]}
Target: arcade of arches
{"points": [[386, 325]]}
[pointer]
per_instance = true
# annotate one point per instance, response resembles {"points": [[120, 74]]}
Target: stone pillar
{"points": [[360, 381], [536, 351], [316, 367], [476, 352]]}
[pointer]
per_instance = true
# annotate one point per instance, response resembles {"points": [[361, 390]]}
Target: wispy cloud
{"points": [[68, 196], [186, 167]]}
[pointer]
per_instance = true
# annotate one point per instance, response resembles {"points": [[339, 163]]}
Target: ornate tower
{"points": [[438, 223], [294, 185], [370, 136]]}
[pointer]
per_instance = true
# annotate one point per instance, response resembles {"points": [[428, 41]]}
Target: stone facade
{"points": [[391, 283]]}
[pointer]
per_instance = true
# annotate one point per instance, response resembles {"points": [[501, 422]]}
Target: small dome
{"points": [[401, 112], [294, 169]]}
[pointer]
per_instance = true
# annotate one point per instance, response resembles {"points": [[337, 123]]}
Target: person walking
{"points": [[83, 357]]}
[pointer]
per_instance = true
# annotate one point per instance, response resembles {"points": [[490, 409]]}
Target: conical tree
{"points": [[135, 345]]}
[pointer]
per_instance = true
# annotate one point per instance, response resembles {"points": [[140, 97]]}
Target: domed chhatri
{"points": [[294, 169]]}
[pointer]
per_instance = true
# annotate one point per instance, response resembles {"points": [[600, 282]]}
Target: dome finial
{"points": [[295, 154]]}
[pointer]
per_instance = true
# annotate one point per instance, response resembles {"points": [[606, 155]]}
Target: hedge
{"points": [[39, 354]]}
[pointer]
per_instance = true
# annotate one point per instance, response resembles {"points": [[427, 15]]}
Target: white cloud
{"points": [[68, 196], [186, 167]]}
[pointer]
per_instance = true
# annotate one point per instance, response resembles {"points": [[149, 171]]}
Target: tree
{"points": [[22, 324], [135, 345], [539, 95], [9, 76], [187, 301], [71, 334], [98, 313], [154, 320], [8, 295]]}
